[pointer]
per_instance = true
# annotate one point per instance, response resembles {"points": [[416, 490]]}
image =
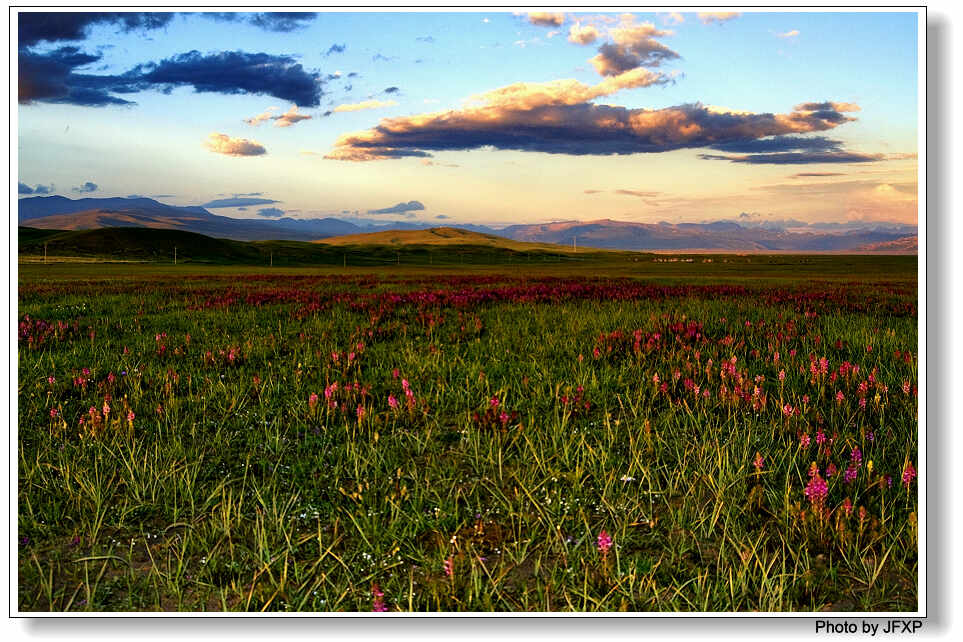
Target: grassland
{"points": [[609, 433]]}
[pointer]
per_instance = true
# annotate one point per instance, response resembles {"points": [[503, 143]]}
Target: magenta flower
{"points": [[758, 462], [130, 416], [378, 601], [816, 490], [909, 474], [804, 440], [604, 542], [392, 402], [312, 400], [53, 413], [449, 566], [856, 456]]}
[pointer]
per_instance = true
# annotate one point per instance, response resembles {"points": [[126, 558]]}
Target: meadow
{"points": [[734, 435]]}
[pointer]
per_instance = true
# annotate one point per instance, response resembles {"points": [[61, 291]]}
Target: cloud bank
{"points": [[400, 208]]}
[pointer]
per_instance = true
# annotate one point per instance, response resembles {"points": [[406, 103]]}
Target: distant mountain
{"points": [[720, 235], [440, 236], [57, 212], [905, 245]]}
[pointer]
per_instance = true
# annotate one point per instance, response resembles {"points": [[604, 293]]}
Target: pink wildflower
{"points": [[909, 474], [392, 402], [449, 566], [312, 400], [816, 490], [804, 440], [378, 601], [758, 462], [604, 542], [53, 413]]}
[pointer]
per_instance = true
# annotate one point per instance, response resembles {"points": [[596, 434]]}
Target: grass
{"points": [[525, 421]]}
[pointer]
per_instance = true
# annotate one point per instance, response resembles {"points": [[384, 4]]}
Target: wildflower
{"points": [[493, 402], [856, 456], [804, 440], [906, 387], [850, 475], [360, 412], [909, 474], [604, 542], [816, 490], [782, 375], [820, 436], [869, 466], [378, 602], [813, 470], [106, 409], [392, 402], [805, 399], [51, 380], [312, 400], [840, 397], [758, 462], [53, 413], [831, 470], [130, 416], [395, 373], [449, 566], [847, 507]]}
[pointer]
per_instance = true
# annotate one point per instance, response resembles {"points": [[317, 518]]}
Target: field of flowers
{"points": [[221, 440]]}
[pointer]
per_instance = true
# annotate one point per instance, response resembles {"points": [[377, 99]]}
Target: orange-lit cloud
{"points": [[789, 34], [718, 16], [580, 34], [546, 19], [556, 118], [367, 104], [224, 144], [254, 121], [634, 45], [290, 117]]}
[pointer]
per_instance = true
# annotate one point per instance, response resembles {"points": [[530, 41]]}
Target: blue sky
{"points": [[678, 117]]}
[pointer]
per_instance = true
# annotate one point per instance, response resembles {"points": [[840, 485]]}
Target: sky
{"points": [[494, 117]]}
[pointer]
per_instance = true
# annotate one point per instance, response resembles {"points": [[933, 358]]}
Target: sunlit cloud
{"points": [[580, 34], [789, 34], [224, 144], [546, 19], [718, 16], [367, 104]]}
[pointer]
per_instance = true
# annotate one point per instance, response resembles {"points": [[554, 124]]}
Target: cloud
{"points": [[718, 16], [224, 144], [583, 35], [594, 191], [799, 158], [788, 34], [391, 90], [400, 208], [379, 57], [278, 21], [428, 39], [673, 18], [290, 117], [430, 163], [52, 77], [235, 72], [254, 121], [335, 49], [779, 144], [639, 194], [282, 21], [442, 216], [827, 106], [545, 19], [367, 104], [36, 27], [556, 118], [814, 174], [86, 188], [634, 45], [23, 188], [238, 200], [270, 212]]}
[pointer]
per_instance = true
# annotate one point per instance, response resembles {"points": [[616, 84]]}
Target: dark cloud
{"points": [[234, 72], [35, 27], [812, 174], [400, 208], [442, 216], [86, 188], [335, 49], [282, 21], [52, 77], [780, 144], [270, 212], [798, 158], [238, 202], [533, 120], [43, 189], [634, 45], [392, 90], [353, 74]]}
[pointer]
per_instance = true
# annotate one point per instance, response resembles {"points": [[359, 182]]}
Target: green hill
{"points": [[422, 247]]}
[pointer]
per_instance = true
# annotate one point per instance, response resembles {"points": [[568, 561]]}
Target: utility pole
{"points": [[45, 254], [175, 255], [272, 259]]}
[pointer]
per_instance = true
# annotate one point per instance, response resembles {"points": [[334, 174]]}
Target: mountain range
{"points": [[60, 213]]}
